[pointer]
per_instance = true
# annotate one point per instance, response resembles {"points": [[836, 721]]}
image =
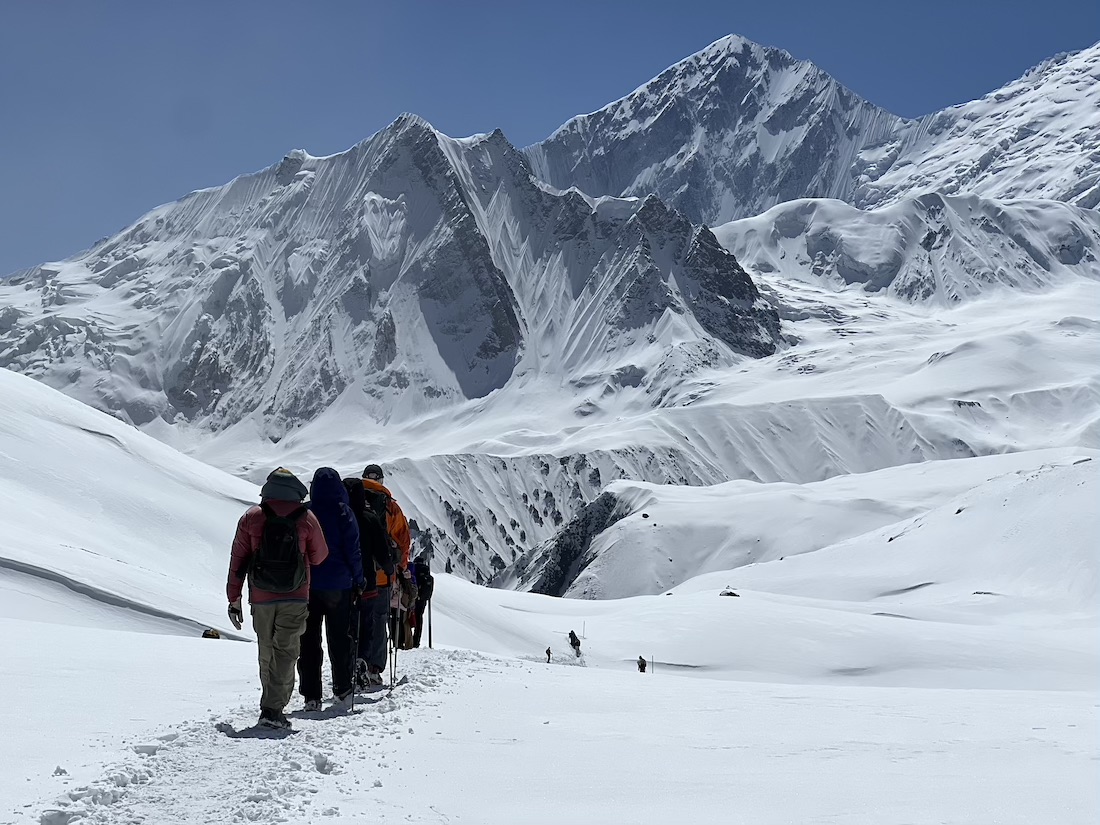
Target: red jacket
{"points": [[249, 531]]}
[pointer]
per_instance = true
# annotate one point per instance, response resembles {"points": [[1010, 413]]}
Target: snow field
{"points": [[475, 738], [932, 625]]}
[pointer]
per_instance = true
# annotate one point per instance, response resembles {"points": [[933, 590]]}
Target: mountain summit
{"points": [[726, 133], [738, 128]]}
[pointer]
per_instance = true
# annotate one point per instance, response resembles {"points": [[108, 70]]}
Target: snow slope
{"points": [[933, 248], [655, 537], [1036, 137], [832, 665], [582, 745], [105, 525]]}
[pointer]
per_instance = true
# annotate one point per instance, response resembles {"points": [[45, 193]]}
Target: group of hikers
{"points": [[341, 560]]}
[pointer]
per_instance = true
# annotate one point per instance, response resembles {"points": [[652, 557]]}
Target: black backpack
{"points": [[370, 508], [279, 565]]}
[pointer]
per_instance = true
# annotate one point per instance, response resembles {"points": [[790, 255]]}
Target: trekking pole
{"points": [[429, 623], [353, 632], [392, 623], [393, 670]]}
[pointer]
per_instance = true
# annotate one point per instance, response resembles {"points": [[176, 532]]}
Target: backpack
{"points": [[371, 510], [279, 565]]}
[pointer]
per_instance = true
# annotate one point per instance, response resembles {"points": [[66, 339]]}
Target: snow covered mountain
{"points": [[508, 347], [115, 554], [738, 128], [726, 133], [1036, 137], [414, 270], [933, 248]]}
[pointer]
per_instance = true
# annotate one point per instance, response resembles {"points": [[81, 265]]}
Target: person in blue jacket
{"points": [[334, 586]]}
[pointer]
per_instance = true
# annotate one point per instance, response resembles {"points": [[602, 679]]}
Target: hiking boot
{"points": [[312, 705], [343, 699], [271, 718], [361, 674]]}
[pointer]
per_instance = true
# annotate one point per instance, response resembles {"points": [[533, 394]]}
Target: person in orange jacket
{"points": [[375, 609]]}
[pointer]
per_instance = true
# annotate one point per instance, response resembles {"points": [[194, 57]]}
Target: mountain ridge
{"points": [[376, 303]]}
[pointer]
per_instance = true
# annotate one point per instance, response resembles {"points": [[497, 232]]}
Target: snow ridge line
{"points": [[197, 774], [108, 598]]}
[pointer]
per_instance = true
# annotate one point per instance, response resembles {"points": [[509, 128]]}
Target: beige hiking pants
{"points": [[278, 627]]}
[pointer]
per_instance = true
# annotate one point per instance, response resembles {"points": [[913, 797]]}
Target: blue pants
{"points": [[373, 618]]}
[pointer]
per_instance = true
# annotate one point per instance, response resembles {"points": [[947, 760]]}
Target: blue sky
{"points": [[110, 108]]}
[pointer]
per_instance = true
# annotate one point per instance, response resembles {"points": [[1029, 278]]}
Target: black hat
{"points": [[283, 485], [372, 470]]}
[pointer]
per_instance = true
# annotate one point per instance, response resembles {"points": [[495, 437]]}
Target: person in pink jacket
{"points": [[275, 545]]}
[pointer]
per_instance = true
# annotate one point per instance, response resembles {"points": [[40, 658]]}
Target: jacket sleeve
{"points": [[316, 547], [352, 549], [399, 531], [239, 558]]}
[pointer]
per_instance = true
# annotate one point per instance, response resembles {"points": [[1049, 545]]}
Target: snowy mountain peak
{"points": [[411, 273], [728, 132], [737, 128]]}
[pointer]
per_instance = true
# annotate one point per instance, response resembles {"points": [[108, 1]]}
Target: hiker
{"points": [[574, 643], [377, 553], [548, 655], [334, 585], [403, 608], [641, 664], [274, 547], [425, 584], [391, 560]]}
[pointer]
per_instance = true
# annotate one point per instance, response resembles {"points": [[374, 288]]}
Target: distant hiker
{"points": [[547, 655], [641, 664], [574, 643], [425, 585], [333, 586], [273, 548], [394, 564]]}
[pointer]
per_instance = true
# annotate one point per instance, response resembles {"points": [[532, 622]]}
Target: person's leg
{"points": [[366, 625], [263, 622], [337, 622], [418, 628], [290, 622], [376, 654], [311, 659]]}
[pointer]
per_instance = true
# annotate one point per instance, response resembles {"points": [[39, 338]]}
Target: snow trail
{"points": [[592, 745]]}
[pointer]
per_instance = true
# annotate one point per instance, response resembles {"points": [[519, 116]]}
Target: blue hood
{"points": [[327, 489], [328, 499]]}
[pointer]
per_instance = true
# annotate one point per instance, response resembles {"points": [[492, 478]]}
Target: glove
{"points": [[236, 615], [357, 591]]}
